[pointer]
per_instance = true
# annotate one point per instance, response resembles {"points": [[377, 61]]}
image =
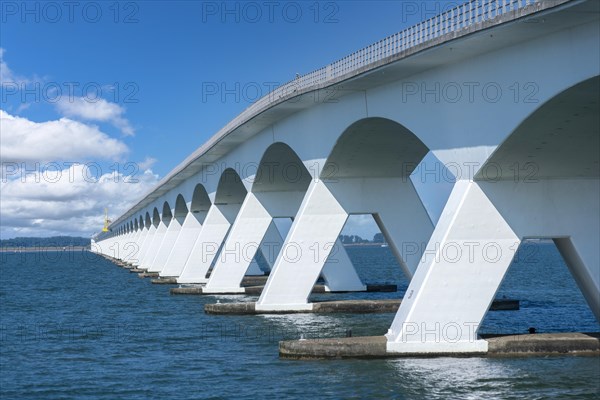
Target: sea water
{"points": [[74, 325]]}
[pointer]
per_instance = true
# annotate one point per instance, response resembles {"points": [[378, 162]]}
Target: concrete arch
{"points": [[167, 214], [200, 203], [181, 209], [280, 169], [557, 140], [148, 221], [135, 225], [155, 217], [385, 152], [374, 147], [230, 189], [531, 178]]}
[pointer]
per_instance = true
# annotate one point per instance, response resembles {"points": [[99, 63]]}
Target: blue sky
{"points": [[149, 62]]}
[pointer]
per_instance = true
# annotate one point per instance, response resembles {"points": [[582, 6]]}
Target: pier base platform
{"points": [[148, 275], [498, 346], [251, 289], [339, 306], [164, 281]]}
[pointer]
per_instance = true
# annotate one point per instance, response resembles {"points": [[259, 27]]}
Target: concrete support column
{"points": [[312, 236], [269, 248], [190, 232], [140, 244], [213, 233], [250, 231], [239, 249], [132, 247], [123, 240], [152, 250], [170, 238], [581, 255], [565, 210], [459, 273], [147, 246], [312, 245]]}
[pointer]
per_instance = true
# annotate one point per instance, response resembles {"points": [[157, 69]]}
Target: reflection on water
{"points": [[307, 326], [491, 378]]}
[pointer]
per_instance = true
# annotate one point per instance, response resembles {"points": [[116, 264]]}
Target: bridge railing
{"points": [[455, 19]]}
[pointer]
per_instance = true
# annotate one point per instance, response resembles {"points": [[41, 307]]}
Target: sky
{"points": [[99, 100]]}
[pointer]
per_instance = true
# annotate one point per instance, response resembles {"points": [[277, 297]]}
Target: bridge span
{"points": [[504, 93]]}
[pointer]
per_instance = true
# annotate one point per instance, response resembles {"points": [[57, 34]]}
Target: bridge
{"points": [[504, 93]]}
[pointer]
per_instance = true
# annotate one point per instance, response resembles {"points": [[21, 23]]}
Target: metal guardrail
{"points": [[457, 19]]}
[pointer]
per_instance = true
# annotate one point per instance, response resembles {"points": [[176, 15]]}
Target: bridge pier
{"points": [[315, 232], [155, 243], [131, 247], [472, 247], [170, 236], [455, 284], [276, 193], [229, 197], [190, 230], [213, 233], [150, 229]]}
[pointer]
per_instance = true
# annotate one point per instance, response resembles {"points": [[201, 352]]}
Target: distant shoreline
{"points": [[34, 249], [363, 244]]}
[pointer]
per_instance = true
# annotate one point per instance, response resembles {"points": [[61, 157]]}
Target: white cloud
{"points": [[147, 163], [7, 76], [96, 110], [59, 140], [65, 192], [67, 202]]}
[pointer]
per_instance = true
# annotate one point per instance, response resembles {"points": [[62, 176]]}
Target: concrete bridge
{"points": [[504, 93]]}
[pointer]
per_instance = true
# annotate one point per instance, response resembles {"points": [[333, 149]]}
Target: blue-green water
{"points": [[73, 325]]}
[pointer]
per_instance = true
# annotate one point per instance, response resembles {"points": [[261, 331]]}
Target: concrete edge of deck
{"points": [[540, 344]]}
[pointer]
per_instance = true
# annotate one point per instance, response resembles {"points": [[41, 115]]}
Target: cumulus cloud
{"points": [[97, 110], [67, 201], [51, 177], [64, 139]]}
